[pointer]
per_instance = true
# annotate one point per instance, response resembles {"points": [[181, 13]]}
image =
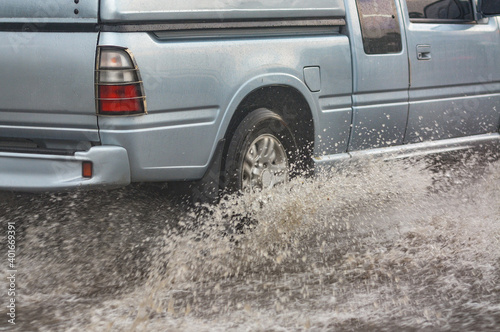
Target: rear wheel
{"points": [[260, 152]]}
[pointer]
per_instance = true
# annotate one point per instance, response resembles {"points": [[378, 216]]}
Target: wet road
{"points": [[383, 246]]}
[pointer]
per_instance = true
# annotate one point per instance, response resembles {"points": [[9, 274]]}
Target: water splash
{"points": [[382, 246]]}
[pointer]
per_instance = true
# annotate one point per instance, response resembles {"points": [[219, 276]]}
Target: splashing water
{"points": [[381, 246]]}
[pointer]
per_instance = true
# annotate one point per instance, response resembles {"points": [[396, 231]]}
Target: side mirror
{"points": [[489, 7]]}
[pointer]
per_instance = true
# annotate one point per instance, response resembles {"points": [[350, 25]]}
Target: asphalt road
{"points": [[394, 246]]}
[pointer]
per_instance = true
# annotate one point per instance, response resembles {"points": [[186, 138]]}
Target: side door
{"points": [[454, 61], [380, 74]]}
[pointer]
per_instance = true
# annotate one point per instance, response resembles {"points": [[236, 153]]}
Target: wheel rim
{"points": [[265, 164]]}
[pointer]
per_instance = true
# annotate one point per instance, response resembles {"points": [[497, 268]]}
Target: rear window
{"points": [[379, 26]]}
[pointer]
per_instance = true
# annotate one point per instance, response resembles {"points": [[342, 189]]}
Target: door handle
{"points": [[424, 52]]}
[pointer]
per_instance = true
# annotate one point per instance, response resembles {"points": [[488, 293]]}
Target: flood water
{"points": [[385, 246]]}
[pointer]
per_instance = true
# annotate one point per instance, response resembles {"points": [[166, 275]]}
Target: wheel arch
{"points": [[286, 95]]}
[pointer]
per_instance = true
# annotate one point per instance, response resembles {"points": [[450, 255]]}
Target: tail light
{"points": [[119, 88]]}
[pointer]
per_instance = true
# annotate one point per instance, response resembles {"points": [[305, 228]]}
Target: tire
{"points": [[260, 153]]}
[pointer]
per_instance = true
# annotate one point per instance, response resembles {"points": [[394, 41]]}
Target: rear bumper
{"points": [[41, 172]]}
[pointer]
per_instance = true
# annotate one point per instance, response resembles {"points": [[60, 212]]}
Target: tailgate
{"points": [[48, 11], [47, 68]]}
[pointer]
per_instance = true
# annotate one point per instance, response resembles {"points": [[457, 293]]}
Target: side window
{"points": [[379, 26], [442, 11]]}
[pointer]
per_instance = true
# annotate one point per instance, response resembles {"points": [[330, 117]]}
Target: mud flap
{"points": [[206, 190]]}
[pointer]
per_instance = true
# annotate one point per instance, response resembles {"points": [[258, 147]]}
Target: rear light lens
{"points": [[119, 98], [87, 169], [115, 57], [119, 88]]}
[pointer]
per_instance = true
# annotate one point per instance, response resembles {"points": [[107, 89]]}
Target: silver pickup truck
{"points": [[100, 93]]}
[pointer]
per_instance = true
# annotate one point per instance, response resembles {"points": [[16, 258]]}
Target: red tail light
{"points": [[120, 99], [119, 89]]}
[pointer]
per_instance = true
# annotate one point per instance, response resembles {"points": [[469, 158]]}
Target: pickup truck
{"points": [[102, 93]]}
